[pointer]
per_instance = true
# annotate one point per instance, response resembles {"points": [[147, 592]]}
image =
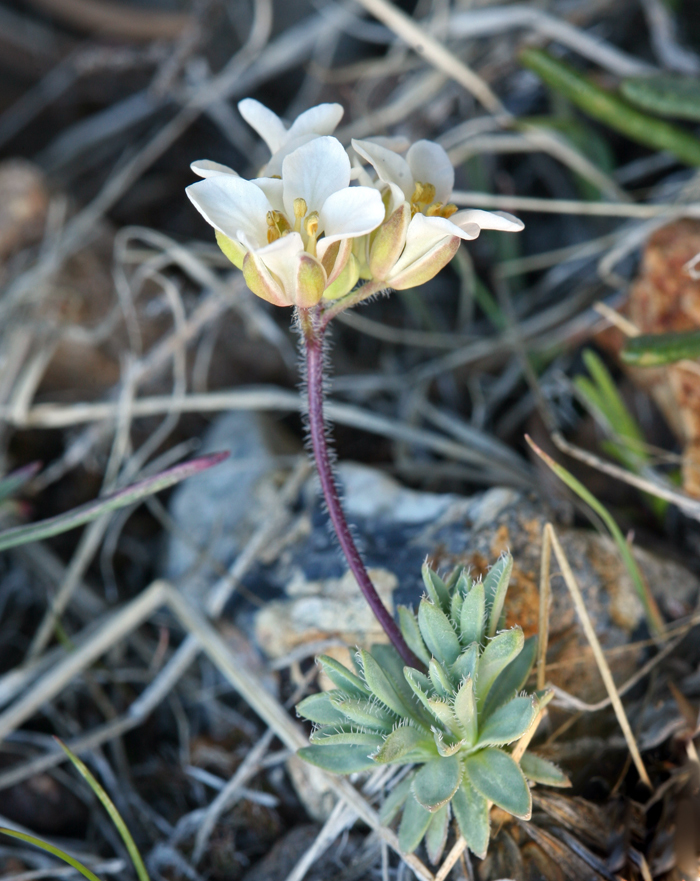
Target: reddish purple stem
{"points": [[313, 329]]}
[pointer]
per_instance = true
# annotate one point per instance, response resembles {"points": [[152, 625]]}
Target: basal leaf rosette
{"points": [[453, 723]]}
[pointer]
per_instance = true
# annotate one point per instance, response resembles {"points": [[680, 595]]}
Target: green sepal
{"points": [[511, 680], [437, 781], [436, 836], [543, 771], [338, 758], [367, 713], [471, 620], [496, 775], [471, 811], [414, 824], [438, 633], [495, 589], [382, 686], [499, 652], [395, 800], [342, 678], [232, 249], [436, 587], [411, 633], [465, 711], [509, 722], [320, 709]]}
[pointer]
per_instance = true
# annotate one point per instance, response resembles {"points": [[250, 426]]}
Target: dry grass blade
{"points": [[570, 581]]}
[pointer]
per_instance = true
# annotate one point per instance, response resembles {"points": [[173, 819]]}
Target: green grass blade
{"points": [[20, 535], [16, 480], [111, 809], [651, 610], [656, 349], [49, 848]]}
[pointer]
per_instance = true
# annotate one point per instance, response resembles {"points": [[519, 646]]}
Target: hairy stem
{"points": [[313, 328]]}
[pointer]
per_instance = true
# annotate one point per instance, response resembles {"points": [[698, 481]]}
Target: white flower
{"points": [[423, 230], [291, 235]]}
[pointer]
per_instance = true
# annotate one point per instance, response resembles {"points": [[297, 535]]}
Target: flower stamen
{"points": [[300, 209]]}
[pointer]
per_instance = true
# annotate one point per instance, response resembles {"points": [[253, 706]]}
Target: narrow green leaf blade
{"points": [[395, 800], [495, 589], [411, 633], [50, 848], [437, 590], [382, 687], [499, 652], [465, 711], [472, 618], [438, 633], [19, 535], [338, 758], [330, 736], [465, 665], [509, 722], [471, 811], [436, 836], [510, 681], [343, 678], [369, 714], [440, 680], [393, 665], [541, 770], [400, 743], [414, 824], [318, 708], [496, 775], [437, 781]]}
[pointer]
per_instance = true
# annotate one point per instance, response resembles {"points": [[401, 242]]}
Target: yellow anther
{"points": [[300, 208], [449, 209], [435, 210], [272, 235], [423, 194], [417, 193], [311, 224]]}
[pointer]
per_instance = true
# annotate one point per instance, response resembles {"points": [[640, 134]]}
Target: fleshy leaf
{"points": [[456, 606], [495, 589], [393, 665], [338, 758], [471, 811], [496, 775], [464, 582], [441, 681], [395, 800], [465, 711], [369, 714], [436, 587], [541, 770], [318, 708], [381, 685], [465, 665], [342, 678], [436, 836], [499, 652], [472, 616], [411, 633], [509, 722], [438, 633], [512, 679], [437, 781], [398, 744], [414, 824]]}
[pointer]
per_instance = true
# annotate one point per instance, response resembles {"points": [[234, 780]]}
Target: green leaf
{"points": [[414, 824], [541, 770], [446, 746], [456, 606], [331, 736], [395, 800], [436, 836], [499, 652], [441, 681], [420, 685], [382, 687], [20, 535], [437, 590], [50, 848], [437, 781], [342, 678], [473, 614], [495, 589], [509, 722], [111, 809], [438, 633], [393, 665], [318, 708], [471, 811], [465, 711], [400, 743], [665, 94], [465, 665], [464, 583], [443, 711], [496, 775], [370, 714], [411, 633], [338, 758], [512, 679]]}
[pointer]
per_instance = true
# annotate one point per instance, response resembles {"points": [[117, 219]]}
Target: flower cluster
{"points": [[314, 222]]}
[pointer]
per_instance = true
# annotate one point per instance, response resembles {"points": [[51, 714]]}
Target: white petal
{"points": [[430, 164], [391, 168], [423, 234], [274, 165], [488, 220], [266, 123], [272, 187], [395, 143], [313, 172], [282, 259], [231, 204], [320, 120], [207, 168], [350, 212]]}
